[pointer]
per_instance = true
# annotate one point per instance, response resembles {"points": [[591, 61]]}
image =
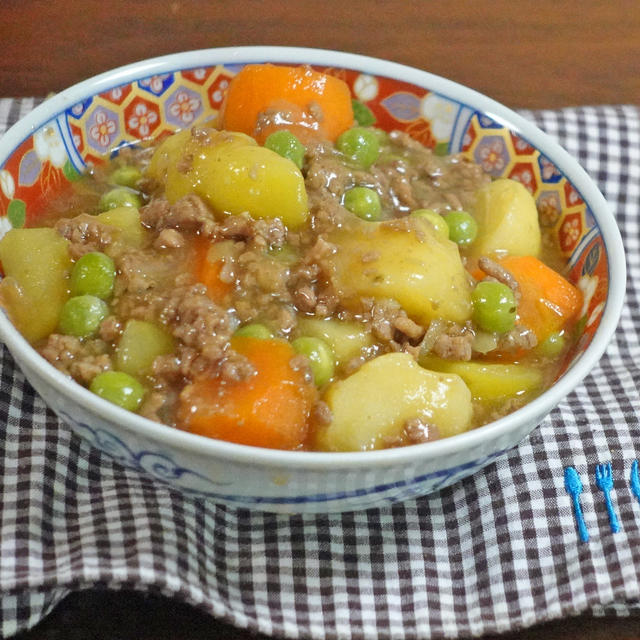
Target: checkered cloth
{"points": [[495, 552]]}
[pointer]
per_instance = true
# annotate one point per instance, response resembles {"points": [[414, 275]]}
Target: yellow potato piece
{"points": [[140, 344], [372, 406], [409, 262], [36, 266], [233, 175], [507, 220], [127, 219], [348, 340], [489, 382]]}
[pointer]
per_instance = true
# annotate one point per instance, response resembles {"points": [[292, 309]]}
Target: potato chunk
{"points": [[140, 344], [372, 406], [507, 220], [347, 340], [36, 266], [490, 382], [127, 219], [232, 174], [405, 260]]}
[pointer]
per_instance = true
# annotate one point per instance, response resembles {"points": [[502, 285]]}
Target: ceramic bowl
{"points": [[82, 124]]}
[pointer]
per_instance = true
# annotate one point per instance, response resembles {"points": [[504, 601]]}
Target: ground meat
{"points": [[437, 182], [187, 364], [518, 338], [189, 214], [83, 361], [85, 234], [326, 175], [169, 239], [196, 320], [302, 284], [110, 329], [305, 297], [414, 431], [417, 430], [201, 327], [134, 276], [399, 178], [179, 366], [494, 270], [152, 406], [257, 234], [455, 343], [235, 367], [387, 318]]}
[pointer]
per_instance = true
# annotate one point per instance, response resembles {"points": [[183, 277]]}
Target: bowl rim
{"points": [[178, 440]]}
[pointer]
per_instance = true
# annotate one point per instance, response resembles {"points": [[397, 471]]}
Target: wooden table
{"points": [[525, 53]]}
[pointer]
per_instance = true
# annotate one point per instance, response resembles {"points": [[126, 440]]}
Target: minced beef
{"points": [[82, 360], [85, 234], [187, 214]]}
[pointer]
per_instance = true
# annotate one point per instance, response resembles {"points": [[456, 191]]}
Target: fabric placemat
{"points": [[495, 552]]}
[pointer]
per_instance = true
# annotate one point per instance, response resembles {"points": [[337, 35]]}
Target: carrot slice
{"points": [[269, 409], [549, 302], [309, 103], [208, 271]]}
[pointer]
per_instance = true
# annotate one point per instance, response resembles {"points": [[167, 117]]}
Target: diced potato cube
{"points": [[489, 382], [36, 265], [127, 219], [233, 174], [140, 344], [348, 340], [412, 264], [372, 406], [507, 220]]}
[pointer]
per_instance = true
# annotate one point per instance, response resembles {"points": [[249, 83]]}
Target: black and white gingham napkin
{"points": [[495, 552]]}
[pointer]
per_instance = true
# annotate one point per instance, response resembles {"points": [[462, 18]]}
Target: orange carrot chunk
{"points": [[263, 98], [549, 302], [269, 409], [207, 271]]}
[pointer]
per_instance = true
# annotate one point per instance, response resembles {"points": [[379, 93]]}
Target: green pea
{"points": [[254, 330], [552, 346], [119, 388], [285, 144], [94, 273], [81, 316], [320, 357], [119, 197], [463, 228], [494, 306], [363, 202], [438, 222], [126, 176], [362, 114], [360, 145]]}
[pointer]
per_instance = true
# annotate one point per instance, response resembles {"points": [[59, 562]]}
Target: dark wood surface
{"points": [[525, 53], [531, 53]]}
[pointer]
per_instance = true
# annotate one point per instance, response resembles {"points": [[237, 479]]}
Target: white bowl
{"points": [[65, 131]]}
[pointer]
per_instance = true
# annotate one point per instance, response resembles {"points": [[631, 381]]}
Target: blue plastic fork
{"points": [[604, 482], [573, 485]]}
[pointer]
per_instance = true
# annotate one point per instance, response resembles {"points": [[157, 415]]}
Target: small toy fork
{"points": [[604, 482]]}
